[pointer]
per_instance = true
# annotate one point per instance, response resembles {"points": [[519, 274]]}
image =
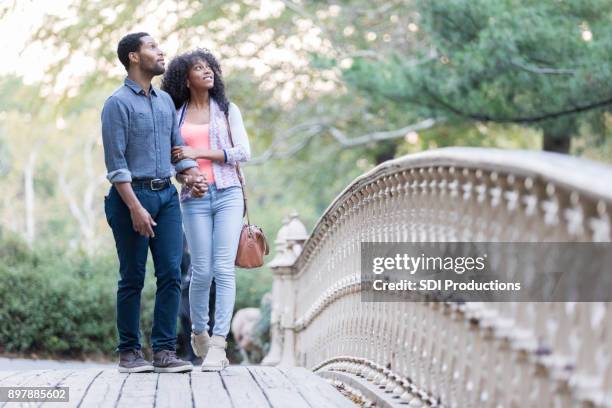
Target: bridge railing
{"points": [[448, 354]]}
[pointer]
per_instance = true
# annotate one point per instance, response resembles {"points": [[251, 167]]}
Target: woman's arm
{"points": [[186, 152], [241, 152], [214, 155]]}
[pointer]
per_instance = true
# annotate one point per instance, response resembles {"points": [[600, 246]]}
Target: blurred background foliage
{"points": [[328, 89]]}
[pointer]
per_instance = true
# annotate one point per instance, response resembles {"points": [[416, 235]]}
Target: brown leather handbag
{"points": [[253, 244]]}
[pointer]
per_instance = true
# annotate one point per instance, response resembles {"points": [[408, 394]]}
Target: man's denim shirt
{"points": [[138, 133]]}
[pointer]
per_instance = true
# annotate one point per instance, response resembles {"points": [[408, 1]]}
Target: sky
{"points": [[24, 58], [15, 30], [30, 60]]}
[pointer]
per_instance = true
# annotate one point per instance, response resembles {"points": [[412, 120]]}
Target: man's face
{"points": [[150, 58]]}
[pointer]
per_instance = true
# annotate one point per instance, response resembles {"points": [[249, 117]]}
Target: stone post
{"points": [[289, 243]]}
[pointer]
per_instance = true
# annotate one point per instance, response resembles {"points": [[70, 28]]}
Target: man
{"points": [[139, 129]]}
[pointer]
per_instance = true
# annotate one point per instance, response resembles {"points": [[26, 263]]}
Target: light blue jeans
{"points": [[212, 226]]}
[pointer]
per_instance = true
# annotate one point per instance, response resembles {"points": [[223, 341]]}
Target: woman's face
{"points": [[201, 76]]}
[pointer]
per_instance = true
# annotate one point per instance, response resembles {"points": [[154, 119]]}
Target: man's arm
{"points": [[115, 123], [142, 222], [177, 140]]}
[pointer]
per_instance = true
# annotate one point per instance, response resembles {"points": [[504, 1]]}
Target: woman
{"points": [[212, 223]]}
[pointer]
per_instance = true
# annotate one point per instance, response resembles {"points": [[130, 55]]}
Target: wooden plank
{"points": [[317, 391], [51, 379], [105, 390], [279, 391], [242, 389], [22, 378], [54, 378], [78, 383], [35, 378], [207, 387], [19, 379], [6, 374], [139, 390], [174, 391]]}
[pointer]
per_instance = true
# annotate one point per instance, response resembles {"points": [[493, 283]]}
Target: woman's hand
{"points": [[183, 152]]}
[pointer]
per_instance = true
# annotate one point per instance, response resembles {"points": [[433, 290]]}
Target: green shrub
{"points": [[251, 285], [58, 305], [63, 304]]}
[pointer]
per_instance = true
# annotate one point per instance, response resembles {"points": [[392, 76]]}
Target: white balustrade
{"points": [[446, 354]]}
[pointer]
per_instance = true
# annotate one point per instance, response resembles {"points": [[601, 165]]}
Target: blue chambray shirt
{"points": [[138, 133]]}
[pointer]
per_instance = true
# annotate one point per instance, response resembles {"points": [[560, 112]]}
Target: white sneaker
{"points": [[216, 360], [200, 343]]}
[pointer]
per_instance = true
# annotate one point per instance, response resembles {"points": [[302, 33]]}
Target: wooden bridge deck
{"points": [[235, 387]]}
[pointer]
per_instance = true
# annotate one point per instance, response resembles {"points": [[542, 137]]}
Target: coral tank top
{"points": [[197, 137]]}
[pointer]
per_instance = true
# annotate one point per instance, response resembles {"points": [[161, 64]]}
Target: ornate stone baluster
{"points": [[457, 355]]}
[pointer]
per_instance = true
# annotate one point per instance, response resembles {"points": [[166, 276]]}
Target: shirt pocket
{"points": [[141, 123], [165, 122]]}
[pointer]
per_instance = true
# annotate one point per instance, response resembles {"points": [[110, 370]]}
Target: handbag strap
{"points": [[244, 196]]}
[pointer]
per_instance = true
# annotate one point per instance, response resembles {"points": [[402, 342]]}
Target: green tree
{"points": [[327, 88], [530, 62]]}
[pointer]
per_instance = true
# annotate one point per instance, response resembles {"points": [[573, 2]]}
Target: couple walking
{"points": [[187, 128]]}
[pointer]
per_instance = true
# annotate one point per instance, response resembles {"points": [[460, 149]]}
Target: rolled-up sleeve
{"points": [[241, 152], [177, 140], [115, 124]]}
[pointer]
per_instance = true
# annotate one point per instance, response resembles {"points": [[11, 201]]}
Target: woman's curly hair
{"points": [[175, 79]]}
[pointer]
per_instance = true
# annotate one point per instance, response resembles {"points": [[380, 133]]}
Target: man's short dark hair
{"points": [[129, 43]]}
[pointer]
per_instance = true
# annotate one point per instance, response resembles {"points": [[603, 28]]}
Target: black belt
{"points": [[152, 184]]}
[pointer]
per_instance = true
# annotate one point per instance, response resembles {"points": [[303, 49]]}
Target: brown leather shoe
{"points": [[165, 361], [132, 361]]}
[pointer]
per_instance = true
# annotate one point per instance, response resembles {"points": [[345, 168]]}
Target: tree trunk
{"points": [[386, 151], [81, 198], [553, 142], [29, 197]]}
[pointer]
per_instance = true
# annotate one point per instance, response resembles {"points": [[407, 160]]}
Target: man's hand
{"points": [[196, 181], [142, 222], [198, 185], [141, 219]]}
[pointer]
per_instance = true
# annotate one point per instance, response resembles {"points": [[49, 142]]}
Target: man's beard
{"points": [[155, 69]]}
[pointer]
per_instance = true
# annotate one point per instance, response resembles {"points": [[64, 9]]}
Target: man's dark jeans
{"points": [[132, 249]]}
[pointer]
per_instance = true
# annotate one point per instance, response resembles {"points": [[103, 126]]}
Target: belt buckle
{"points": [[154, 183]]}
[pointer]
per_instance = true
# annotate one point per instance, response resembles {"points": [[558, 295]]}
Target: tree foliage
{"points": [[539, 63], [327, 90]]}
